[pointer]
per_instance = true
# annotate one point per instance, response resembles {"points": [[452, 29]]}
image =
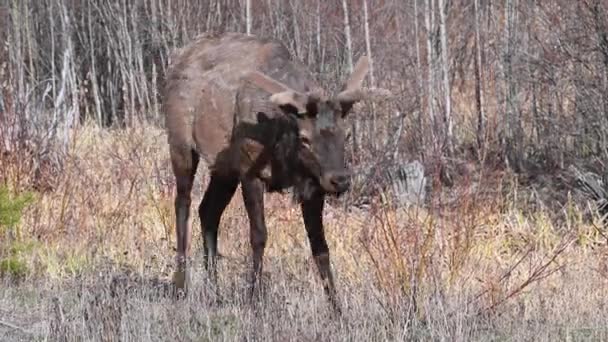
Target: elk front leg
{"points": [[217, 196], [253, 196], [184, 163], [312, 211]]}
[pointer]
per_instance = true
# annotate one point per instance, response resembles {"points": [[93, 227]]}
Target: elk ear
{"points": [[266, 83], [348, 98], [351, 89], [358, 75]]}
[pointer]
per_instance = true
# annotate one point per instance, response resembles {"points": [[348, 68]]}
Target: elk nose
{"points": [[341, 182]]}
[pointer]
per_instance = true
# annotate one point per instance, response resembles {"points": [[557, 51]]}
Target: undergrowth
{"points": [[94, 257], [13, 251]]}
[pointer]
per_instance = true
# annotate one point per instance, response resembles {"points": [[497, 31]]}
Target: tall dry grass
{"points": [[470, 266]]}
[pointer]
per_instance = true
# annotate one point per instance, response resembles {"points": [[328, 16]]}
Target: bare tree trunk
{"points": [[318, 36], [368, 48], [69, 81], [53, 66], [93, 77], [210, 9], [349, 44], [506, 74], [513, 138], [296, 28], [417, 44], [29, 38], [398, 19], [533, 53], [248, 18], [431, 63], [481, 120], [447, 118], [368, 45], [602, 43], [349, 61], [419, 87], [16, 42]]}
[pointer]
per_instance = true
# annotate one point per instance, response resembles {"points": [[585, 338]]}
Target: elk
{"points": [[257, 117]]}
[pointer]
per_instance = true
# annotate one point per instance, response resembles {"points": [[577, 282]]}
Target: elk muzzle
{"points": [[335, 182]]}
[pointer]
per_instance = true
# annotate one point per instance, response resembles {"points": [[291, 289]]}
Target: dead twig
{"points": [[14, 327], [541, 272]]}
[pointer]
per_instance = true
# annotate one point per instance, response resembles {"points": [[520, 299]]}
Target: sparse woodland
{"points": [[504, 103]]}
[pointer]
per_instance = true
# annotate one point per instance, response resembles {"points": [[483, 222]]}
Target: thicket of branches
{"points": [[522, 82]]}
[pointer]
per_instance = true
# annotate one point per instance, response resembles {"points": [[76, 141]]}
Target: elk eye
{"points": [[305, 141]]}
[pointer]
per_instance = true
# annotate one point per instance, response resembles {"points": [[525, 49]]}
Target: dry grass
{"points": [[473, 268]]}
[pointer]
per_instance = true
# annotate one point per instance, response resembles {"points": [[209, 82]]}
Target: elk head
{"points": [[320, 131]]}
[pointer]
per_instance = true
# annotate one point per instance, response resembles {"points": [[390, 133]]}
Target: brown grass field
{"points": [[475, 265]]}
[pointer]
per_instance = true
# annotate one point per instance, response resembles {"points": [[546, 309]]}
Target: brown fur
{"points": [[258, 118], [202, 84]]}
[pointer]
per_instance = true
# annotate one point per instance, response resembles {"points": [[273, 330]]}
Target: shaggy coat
{"points": [[257, 118]]}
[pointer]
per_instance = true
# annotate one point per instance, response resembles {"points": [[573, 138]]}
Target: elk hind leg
{"points": [[184, 162]]}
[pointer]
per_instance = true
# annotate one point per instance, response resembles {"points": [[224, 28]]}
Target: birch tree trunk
{"points": [[430, 62], [94, 84], [368, 45], [506, 74], [349, 61], [481, 120], [513, 132], [601, 33], [445, 64], [417, 44], [419, 87], [296, 28], [318, 36], [248, 18], [372, 81], [349, 44]]}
